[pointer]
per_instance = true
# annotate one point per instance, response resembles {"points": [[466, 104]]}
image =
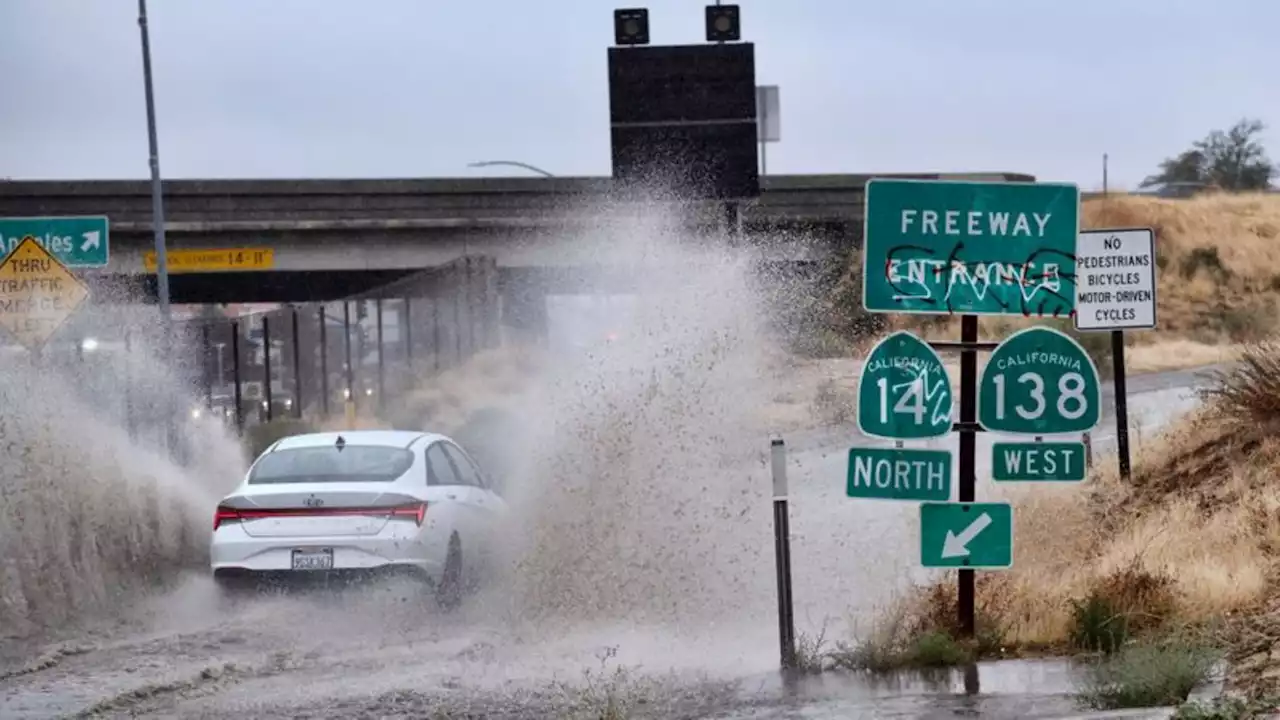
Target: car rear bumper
{"points": [[400, 548]]}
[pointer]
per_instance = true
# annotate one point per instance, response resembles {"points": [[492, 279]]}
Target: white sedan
{"points": [[351, 503]]}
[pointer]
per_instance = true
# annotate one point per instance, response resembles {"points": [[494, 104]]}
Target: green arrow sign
{"points": [[982, 248], [77, 242], [1049, 462], [897, 474], [971, 535], [904, 392], [1039, 382]]}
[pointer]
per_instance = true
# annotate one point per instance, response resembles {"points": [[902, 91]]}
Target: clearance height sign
{"points": [[1116, 280]]}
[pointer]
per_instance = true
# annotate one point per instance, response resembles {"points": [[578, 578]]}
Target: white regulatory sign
{"points": [[1116, 279]]}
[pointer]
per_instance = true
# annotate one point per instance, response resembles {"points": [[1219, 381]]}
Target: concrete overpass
{"points": [[342, 237]]}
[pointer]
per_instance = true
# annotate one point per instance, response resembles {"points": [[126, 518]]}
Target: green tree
{"points": [[1231, 160]]}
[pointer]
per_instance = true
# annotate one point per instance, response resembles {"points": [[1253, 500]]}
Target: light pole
{"points": [[512, 163], [157, 195]]}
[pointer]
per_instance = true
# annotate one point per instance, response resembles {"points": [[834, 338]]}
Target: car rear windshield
{"points": [[353, 463]]}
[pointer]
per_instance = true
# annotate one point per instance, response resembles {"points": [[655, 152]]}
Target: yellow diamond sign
{"points": [[37, 293]]}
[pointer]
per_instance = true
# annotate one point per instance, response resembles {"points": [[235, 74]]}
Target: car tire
{"points": [[449, 589], [231, 590]]}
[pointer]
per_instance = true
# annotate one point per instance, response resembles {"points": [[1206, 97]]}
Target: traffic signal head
{"points": [[723, 23], [631, 26]]}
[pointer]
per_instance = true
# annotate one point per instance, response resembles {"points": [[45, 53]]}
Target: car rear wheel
{"points": [[231, 589], [449, 589]]}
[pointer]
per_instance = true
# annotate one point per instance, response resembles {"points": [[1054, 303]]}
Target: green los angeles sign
{"points": [[77, 242], [1039, 382], [904, 392], [978, 248]]}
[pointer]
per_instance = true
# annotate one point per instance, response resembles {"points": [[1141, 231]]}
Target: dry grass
{"points": [[1193, 536]]}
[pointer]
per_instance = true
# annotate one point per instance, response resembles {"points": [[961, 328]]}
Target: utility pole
{"points": [[157, 226], [157, 194]]}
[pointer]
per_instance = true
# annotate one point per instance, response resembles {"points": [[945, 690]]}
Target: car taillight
{"points": [[224, 515], [416, 511], [413, 511]]}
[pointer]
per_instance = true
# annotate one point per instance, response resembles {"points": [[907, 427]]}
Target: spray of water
{"points": [[90, 513], [635, 485]]}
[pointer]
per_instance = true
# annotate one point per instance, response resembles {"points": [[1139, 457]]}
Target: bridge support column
{"points": [[524, 306]]}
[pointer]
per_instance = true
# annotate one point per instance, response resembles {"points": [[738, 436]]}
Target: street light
{"points": [[157, 195], [512, 163]]}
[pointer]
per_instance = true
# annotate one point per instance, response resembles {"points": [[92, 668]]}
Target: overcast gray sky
{"points": [[415, 88]]}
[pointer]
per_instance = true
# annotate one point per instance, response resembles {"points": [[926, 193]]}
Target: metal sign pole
{"points": [[968, 457], [1122, 403], [157, 195], [782, 555]]}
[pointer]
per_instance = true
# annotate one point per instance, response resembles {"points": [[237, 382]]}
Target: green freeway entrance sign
{"points": [[968, 535], [979, 248], [904, 392], [77, 242], [897, 474], [1039, 382], [1014, 462]]}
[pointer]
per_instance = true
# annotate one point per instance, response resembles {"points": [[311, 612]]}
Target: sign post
{"points": [[968, 248], [1116, 291]]}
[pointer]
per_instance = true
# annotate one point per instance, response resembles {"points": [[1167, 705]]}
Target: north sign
{"points": [[899, 474]]}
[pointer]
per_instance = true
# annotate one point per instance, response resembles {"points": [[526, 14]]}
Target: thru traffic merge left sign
{"points": [[37, 294], [76, 242], [904, 392], [966, 535]]}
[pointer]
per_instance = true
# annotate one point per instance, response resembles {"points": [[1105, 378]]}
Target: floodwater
{"points": [[379, 652]]}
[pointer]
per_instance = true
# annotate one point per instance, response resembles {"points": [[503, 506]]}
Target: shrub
{"points": [[1248, 394], [1126, 602], [936, 650], [1096, 626], [1206, 258], [1227, 708], [1146, 676]]}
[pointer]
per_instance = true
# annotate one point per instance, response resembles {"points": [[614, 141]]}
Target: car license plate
{"points": [[313, 559]]}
